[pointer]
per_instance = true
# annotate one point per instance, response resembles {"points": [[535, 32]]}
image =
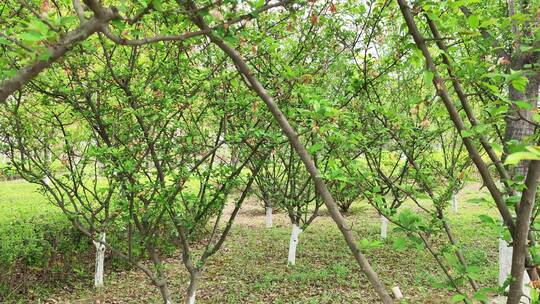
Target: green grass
{"points": [[20, 200], [23, 209]]}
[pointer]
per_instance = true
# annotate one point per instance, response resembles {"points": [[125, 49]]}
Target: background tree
{"points": [[519, 229]]}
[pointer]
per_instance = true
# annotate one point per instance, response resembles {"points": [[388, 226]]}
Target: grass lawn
{"points": [[251, 266], [22, 208], [19, 200]]}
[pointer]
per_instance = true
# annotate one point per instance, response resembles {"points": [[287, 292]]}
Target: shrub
{"points": [[39, 250]]}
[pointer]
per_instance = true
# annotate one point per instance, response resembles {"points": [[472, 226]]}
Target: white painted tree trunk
{"points": [[403, 157], [100, 261], [505, 261], [165, 294], [505, 267], [192, 297], [397, 293], [384, 227], [293, 243], [454, 203], [192, 289], [269, 217]]}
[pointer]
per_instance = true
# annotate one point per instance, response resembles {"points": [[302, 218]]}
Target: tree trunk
{"points": [[293, 243], [517, 120], [454, 202], [192, 289], [521, 233], [269, 216], [384, 227], [160, 279], [165, 294], [397, 293], [100, 261], [519, 128]]}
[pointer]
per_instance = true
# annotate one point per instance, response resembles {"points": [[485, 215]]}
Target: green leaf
{"points": [[535, 296], [316, 106], [466, 133], [513, 200], [31, 36], [399, 243], [157, 4], [516, 157], [473, 21], [315, 148], [118, 24], [44, 56], [38, 26], [4, 41], [496, 147], [520, 83], [488, 22], [428, 77], [480, 296], [409, 219], [536, 117], [486, 219], [523, 105], [256, 4], [457, 298]]}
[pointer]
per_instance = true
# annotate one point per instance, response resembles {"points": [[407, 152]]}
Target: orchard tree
{"points": [[292, 191], [461, 87], [126, 151]]}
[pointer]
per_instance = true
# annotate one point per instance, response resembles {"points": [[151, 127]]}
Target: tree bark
{"points": [[454, 202], [165, 294], [192, 289], [268, 218], [384, 227], [520, 237], [100, 261], [160, 278], [518, 126], [295, 233]]}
